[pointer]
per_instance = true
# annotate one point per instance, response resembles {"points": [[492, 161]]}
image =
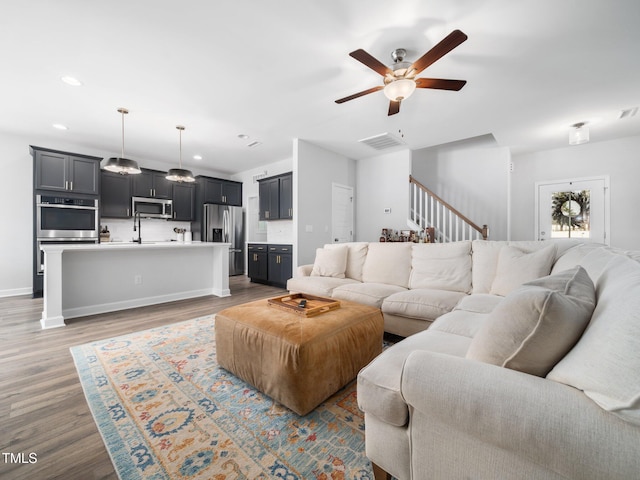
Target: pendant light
{"points": [[180, 174], [579, 133], [122, 165]]}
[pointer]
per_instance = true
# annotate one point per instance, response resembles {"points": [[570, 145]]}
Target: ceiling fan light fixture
{"points": [[122, 165], [180, 175], [400, 89], [579, 133]]}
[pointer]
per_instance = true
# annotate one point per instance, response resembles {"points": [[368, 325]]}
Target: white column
{"points": [[220, 269], [52, 311]]}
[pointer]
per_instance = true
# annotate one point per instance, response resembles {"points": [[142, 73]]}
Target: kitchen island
{"points": [[87, 279]]}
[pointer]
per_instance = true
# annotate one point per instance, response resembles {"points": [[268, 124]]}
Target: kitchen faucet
{"points": [[139, 239]]}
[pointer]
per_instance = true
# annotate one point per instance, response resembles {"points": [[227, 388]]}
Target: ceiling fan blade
{"points": [[371, 62], [440, 83], [359, 94], [394, 107], [449, 42]]}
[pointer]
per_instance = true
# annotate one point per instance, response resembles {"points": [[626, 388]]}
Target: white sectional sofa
{"points": [[522, 359]]}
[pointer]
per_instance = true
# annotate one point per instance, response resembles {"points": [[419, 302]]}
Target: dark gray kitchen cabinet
{"points": [[275, 197], [68, 172], [221, 192], [280, 265], [151, 183], [257, 263], [115, 195], [183, 199]]}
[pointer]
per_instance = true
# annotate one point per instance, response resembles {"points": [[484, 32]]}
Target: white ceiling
{"points": [[272, 70]]}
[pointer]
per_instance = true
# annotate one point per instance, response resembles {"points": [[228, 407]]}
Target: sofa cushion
{"points": [[321, 286], [356, 255], [388, 263], [536, 324], [379, 382], [516, 267], [442, 266], [485, 260], [459, 322], [479, 303], [422, 303], [605, 363], [330, 262], [571, 257], [366, 293]]}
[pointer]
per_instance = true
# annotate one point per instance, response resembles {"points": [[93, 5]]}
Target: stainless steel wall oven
{"points": [[60, 218]]}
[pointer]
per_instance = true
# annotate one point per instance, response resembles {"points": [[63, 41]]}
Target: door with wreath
{"points": [[573, 209]]}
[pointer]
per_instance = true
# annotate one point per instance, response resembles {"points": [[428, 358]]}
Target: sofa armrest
{"points": [[542, 423], [303, 271]]}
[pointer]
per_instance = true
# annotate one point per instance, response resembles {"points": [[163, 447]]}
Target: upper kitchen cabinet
{"points": [[183, 196], [276, 197], [115, 195], [63, 171], [219, 191], [151, 183]]}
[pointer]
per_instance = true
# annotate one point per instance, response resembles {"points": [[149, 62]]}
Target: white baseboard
{"points": [[14, 292]]}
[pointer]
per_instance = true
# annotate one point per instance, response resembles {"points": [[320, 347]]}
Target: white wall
{"points": [[616, 158], [16, 198], [473, 177], [315, 169], [382, 182]]}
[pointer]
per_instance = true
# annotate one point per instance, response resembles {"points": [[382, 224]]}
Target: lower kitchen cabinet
{"points": [[271, 264], [280, 265], [257, 263]]}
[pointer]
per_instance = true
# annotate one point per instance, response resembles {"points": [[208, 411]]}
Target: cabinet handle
{"points": [[66, 184], [128, 214], [71, 185]]}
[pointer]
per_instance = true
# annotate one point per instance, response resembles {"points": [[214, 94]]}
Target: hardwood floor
{"points": [[43, 410]]}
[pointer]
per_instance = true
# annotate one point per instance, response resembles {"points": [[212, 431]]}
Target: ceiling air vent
{"points": [[383, 141], [629, 112]]}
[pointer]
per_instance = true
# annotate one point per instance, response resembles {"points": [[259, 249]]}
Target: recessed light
{"points": [[243, 136], [197, 157], [59, 126], [74, 82]]}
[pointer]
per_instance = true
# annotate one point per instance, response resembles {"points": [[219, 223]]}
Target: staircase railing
{"points": [[443, 223]]}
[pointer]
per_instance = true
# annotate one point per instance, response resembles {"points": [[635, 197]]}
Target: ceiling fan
{"points": [[400, 78]]}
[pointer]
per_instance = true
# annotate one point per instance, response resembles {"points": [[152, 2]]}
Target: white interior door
{"points": [[576, 209], [341, 213]]}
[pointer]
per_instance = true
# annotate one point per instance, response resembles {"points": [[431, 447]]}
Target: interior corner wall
{"points": [[472, 179], [382, 186], [616, 158], [315, 169]]}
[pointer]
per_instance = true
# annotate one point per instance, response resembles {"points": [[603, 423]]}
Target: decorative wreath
{"points": [[570, 208]]}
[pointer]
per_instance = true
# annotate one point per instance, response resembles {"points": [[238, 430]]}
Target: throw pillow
{"points": [[516, 267], [330, 262], [537, 324]]}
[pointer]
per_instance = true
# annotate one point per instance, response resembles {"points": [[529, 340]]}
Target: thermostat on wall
{"points": [[387, 210]]}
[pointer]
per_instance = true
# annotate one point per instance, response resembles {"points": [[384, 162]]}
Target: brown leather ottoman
{"points": [[297, 361]]}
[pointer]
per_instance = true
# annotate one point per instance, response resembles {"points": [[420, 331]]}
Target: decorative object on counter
{"points": [[188, 237], [105, 235], [121, 165], [180, 174], [180, 233], [423, 236]]}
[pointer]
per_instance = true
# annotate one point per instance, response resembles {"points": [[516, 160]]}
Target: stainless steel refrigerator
{"points": [[222, 223]]}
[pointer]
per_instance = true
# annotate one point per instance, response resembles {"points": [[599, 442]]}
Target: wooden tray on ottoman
{"points": [[315, 305]]}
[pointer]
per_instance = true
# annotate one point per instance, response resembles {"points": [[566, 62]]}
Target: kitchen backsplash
{"points": [[153, 229], [280, 231]]}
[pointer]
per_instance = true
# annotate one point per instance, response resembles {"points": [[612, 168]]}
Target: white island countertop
{"points": [[91, 278]]}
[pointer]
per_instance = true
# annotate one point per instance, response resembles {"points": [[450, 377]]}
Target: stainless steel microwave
{"points": [[152, 207]]}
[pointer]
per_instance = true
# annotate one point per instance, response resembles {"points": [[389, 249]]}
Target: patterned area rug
{"points": [[166, 410]]}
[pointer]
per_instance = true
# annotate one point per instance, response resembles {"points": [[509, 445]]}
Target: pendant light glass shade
{"points": [[180, 174], [122, 165]]}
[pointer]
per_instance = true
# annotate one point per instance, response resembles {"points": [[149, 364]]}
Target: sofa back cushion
{"points": [[356, 255], [388, 263], [485, 255], [441, 266], [605, 363], [536, 324], [516, 267]]}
